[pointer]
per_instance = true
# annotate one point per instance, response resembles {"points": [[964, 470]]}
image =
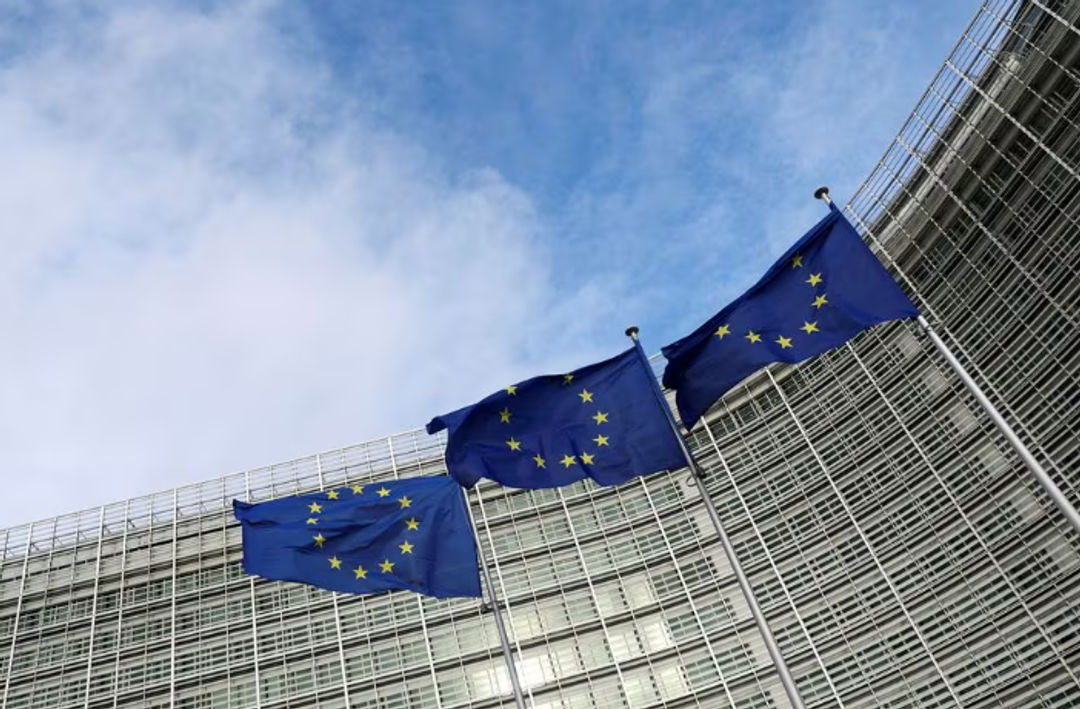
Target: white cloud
{"points": [[210, 264], [214, 257]]}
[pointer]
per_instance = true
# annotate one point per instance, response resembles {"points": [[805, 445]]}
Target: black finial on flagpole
{"points": [[632, 332], [822, 193]]}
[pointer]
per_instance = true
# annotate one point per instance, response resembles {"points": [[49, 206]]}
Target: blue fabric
{"points": [[419, 525], [602, 422], [789, 302]]}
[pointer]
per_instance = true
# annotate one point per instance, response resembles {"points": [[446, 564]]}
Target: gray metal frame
{"points": [[899, 551]]}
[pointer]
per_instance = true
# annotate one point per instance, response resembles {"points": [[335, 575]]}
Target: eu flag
{"points": [[413, 534], [827, 288], [602, 421]]}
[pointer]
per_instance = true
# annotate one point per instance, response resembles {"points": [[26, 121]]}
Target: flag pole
{"points": [[1033, 465], [744, 583], [493, 602]]}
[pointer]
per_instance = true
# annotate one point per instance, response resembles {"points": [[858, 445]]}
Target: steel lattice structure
{"points": [[901, 552]]}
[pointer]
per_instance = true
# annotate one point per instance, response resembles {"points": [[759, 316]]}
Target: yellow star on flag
{"points": [[314, 507], [335, 563], [511, 390], [332, 494], [814, 279], [722, 331], [567, 378], [387, 566], [809, 327], [601, 440], [405, 501], [820, 301], [797, 261], [568, 460], [504, 416], [358, 489], [753, 337], [382, 492], [312, 520], [784, 342], [586, 396], [413, 524], [540, 462], [361, 572], [319, 539], [587, 458], [405, 547], [515, 445], [601, 417]]}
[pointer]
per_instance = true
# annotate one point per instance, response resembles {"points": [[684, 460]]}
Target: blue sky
{"points": [[239, 232], [652, 138]]}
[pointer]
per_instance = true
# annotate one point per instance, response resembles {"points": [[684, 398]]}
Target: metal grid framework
{"points": [[901, 553]]}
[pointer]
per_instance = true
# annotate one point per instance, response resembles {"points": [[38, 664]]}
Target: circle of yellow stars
{"points": [[808, 326], [386, 566], [568, 459]]}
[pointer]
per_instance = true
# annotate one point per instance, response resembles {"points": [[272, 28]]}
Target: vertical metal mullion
{"points": [[961, 204], [93, 606], [975, 269], [1064, 505], [431, 656], [811, 563], [634, 616], [772, 564], [254, 612], [982, 182], [337, 611], [71, 577], [960, 510], [172, 634], [862, 536], [1014, 440], [685, 586], [922, 98], [225, 580], [18, 614], [979, 48], [592, 588], [120, 603], [904, 542], [925, 306], [419, 602], [783, 672], [1058, 18], [505, 597]]}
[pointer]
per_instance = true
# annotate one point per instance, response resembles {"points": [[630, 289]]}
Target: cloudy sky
{"points": [[239, 232]]}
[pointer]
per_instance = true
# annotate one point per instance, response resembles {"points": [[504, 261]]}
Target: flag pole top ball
{"points": [[632, 332], [822, 193]]}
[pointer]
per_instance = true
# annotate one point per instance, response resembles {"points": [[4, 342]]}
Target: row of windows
{"points": [[616, 509], [555, 662]]}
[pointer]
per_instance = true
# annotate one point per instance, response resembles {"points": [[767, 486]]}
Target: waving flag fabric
{"points": [[823, 291], [602, 422], [412, 534]]}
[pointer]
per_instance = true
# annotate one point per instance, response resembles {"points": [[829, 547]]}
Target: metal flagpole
{"points": [[493, 603], [862, 536], [744, 583], [1003, 426]]}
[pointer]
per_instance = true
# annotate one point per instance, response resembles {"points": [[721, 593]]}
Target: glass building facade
{"points": [[901, 553]]}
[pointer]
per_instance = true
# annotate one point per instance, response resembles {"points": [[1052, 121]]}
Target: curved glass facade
{"points": [[901, 552]]}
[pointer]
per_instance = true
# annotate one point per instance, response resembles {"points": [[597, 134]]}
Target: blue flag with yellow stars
{"points": [[827, 288], [602, 421], [413, 534]]}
